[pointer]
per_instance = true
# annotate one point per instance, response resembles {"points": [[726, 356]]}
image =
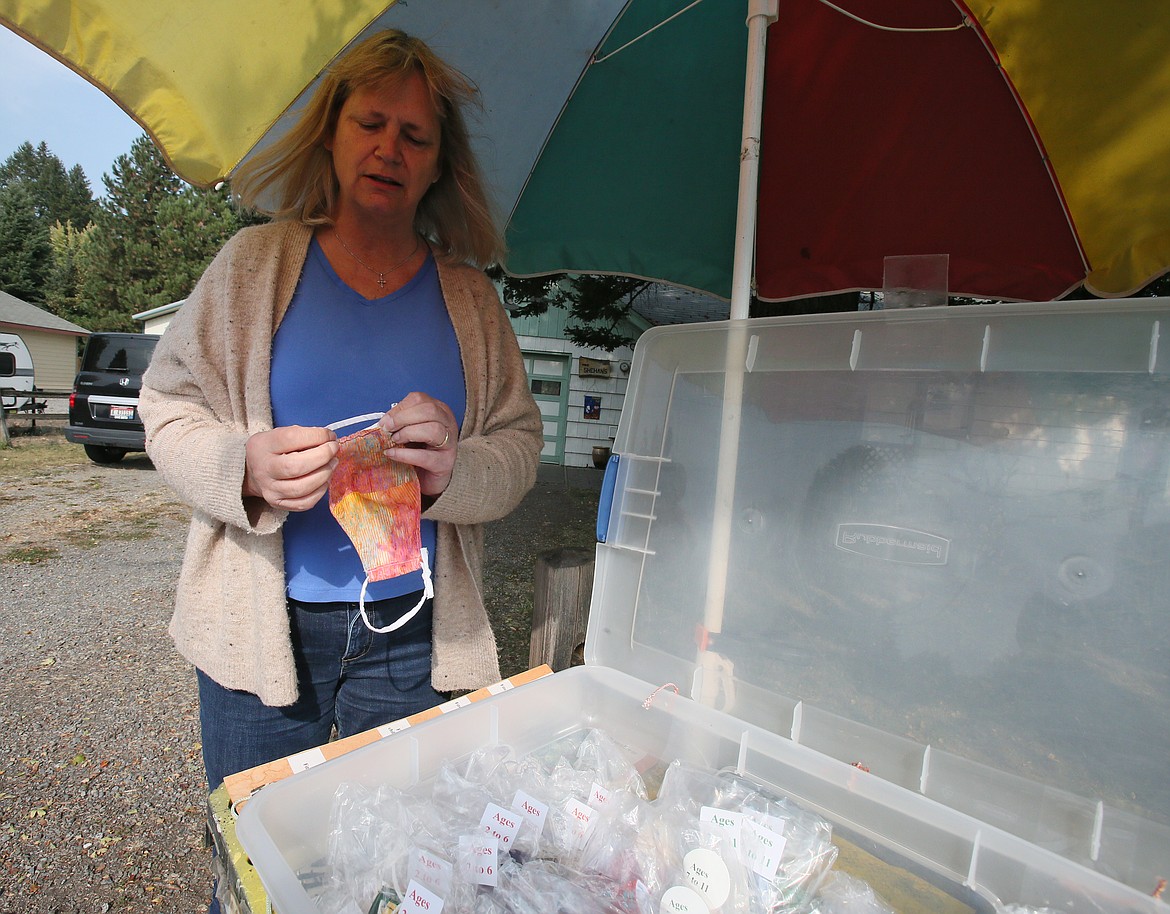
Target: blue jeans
{"points": [[349, 677]]}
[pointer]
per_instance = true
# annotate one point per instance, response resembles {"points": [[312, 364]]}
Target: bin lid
{"points": [[932, 543]]}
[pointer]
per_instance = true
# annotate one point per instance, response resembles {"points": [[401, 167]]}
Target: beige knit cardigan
{"points": [[207, 391]]}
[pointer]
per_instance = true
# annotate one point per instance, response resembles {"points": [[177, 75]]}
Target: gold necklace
{"points": [[381, 275]]}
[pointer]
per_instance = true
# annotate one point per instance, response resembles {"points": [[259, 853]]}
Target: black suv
{"points": [[103, 408]]}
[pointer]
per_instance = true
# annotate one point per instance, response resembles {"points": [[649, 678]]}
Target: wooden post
{"points": [[560, 607]]}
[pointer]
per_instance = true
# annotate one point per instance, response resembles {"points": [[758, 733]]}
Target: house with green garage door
{"points": [[579, 390]]}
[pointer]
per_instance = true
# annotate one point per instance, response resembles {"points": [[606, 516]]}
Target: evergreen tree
{"points": [[152, 238], [24, 249], [192, 227], [38, 193], [78, 207], [69, 248], [57, 195], [596, 304]]}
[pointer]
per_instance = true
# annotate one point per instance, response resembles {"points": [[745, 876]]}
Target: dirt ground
{"points": [[102, 799]]}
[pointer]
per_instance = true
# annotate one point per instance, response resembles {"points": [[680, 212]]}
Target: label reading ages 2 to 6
{"points": [[599, 796], [535, 813], [481, 857], [501, 824], [580, 818], [430, 870], [420, 900]]}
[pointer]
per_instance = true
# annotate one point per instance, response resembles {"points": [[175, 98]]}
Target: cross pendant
{"points": [[381, 280]]}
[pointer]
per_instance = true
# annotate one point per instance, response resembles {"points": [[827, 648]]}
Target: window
{"points": [[119, 354], [546, 388]]}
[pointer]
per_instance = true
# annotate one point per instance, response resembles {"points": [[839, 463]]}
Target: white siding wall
{"points": [[54, 358], [583, 434], [157, 324]]}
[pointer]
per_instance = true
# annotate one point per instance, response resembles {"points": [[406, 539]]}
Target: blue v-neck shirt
{"points": [[337, 355]]}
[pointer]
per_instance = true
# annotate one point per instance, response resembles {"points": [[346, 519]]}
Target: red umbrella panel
{"points": [[902, 143]]}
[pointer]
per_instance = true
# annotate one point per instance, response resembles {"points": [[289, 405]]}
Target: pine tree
{"points": [[78, 206], [69, 249], [191, 229], [34, 181], [24, 248], [58, 196], [596, 304], [152, 238]]}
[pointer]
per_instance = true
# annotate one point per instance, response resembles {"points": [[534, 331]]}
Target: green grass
{"points": [[31, 555], [29, 453]]}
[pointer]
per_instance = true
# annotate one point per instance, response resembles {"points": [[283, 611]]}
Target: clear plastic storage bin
{"points": [[910, 569]]}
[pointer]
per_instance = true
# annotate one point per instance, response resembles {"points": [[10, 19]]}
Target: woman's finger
{"points": [[289, 467]]}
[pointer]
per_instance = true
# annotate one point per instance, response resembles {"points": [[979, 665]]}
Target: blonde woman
{"points": [[364, 295]]}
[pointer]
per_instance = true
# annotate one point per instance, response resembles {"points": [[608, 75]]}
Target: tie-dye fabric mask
{"points": [[377, 502]]}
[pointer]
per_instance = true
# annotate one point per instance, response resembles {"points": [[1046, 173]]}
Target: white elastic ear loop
{"points": [[428, 592], [354, 420]]}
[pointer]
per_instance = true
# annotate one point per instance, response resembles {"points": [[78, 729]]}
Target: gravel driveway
{"points": [[102, 797]]}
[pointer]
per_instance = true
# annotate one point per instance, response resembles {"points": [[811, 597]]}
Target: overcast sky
{"points": [[43, 100]]}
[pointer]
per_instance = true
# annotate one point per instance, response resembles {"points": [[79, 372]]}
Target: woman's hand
{"points": [[427, 436], [289, 467]]}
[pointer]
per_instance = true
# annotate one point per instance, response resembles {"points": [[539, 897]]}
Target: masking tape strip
{"points": [[242, 785]]}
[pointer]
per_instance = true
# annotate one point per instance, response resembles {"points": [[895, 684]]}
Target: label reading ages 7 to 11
{"points": [[762, 848], [708, 875], [680, 899]]}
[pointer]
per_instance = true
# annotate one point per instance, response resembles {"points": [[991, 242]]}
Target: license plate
{"points": [[121, 412]]}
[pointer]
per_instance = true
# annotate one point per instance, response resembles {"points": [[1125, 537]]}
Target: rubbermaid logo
{"points": [[893, 544]]}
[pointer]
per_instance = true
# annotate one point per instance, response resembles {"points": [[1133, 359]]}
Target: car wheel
{"points": [[99, 453]]}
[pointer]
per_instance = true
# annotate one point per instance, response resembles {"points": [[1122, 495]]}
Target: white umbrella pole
{"points": [[761, 13], [714, 671]]}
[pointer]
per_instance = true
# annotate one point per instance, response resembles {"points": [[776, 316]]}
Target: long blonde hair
{"points": [[294, 178]]}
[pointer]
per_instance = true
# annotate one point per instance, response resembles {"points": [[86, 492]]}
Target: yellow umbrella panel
{"points": [[182, 77]]}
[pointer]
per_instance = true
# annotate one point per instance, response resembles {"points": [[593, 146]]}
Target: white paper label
{"points": [[534, 812], [455, 704], [303, 761], [679, 899], [599, 796], [431, 871], [581, 817], [722, 823], [420, 900], [501, 824], [390, 729], [482, 856], [500, 687], [708, 875], [776, 824], [762, 848]]}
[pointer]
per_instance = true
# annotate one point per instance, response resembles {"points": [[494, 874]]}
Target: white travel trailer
{"points": [[16, 371]]}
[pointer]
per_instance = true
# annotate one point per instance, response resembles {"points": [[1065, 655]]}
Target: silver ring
{"points": [[446, 438]]}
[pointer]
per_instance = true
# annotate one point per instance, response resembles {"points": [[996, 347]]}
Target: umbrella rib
{"points": [[890, 28], [844, 12], [648, 31]]}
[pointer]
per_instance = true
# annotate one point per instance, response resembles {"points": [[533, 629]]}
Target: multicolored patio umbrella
{"points": [[1028, 140]]}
